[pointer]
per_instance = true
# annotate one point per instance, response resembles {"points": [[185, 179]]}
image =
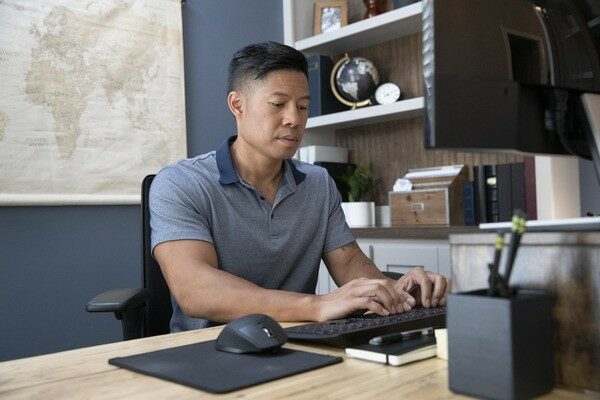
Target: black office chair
{"points": [[144, 311]]}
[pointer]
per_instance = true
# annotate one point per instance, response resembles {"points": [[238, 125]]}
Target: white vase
{"points": [[360, 214]]}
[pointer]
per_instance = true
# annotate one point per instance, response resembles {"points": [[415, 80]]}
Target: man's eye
{"points": [[276, 104], [303, 108]]}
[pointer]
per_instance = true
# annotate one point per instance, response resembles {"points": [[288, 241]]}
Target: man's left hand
{"points": [[429, 289]]}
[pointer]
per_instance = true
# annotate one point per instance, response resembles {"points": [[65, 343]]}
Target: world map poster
{"points": [[91, 98]]}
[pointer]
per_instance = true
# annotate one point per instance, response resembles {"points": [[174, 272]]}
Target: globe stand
{"points": [[353, 104]]}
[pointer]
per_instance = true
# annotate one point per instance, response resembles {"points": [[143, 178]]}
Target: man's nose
{"points": [[291, 117]]}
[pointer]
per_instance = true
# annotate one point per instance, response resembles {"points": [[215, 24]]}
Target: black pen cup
{"points": [[500, 348]]}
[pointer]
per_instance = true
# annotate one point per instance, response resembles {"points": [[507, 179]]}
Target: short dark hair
{"points": [[256, 61]]}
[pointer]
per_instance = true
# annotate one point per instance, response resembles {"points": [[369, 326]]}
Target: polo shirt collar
{"points": [[228, 174], [298, 176]]}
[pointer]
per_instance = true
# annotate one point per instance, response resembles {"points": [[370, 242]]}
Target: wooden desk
{"points": [[85, 373]]}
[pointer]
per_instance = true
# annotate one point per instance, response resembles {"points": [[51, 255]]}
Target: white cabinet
{"points": [[397, 255]]}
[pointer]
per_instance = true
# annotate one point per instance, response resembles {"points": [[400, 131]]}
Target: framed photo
{"points": [[330, 15]]}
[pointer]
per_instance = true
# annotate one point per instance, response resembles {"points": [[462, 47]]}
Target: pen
{"points": [[493, 279], [399, 336], [518, 228]]}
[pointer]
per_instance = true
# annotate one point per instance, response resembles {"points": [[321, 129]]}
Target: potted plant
{"points": [[360, 209]]}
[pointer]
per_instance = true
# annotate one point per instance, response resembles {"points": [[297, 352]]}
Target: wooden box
{"points": [[434, 200]]}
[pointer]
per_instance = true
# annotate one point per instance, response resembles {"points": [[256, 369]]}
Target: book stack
{"points": [[396, 353], [498, 190]]}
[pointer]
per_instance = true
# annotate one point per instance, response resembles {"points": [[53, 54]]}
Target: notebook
{"points": [[397, 353]]}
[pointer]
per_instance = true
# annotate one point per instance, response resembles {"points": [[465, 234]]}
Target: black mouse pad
{"points": [[201, 366]]}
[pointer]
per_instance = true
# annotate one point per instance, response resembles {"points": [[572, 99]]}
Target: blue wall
{"points": [[54, 259]]}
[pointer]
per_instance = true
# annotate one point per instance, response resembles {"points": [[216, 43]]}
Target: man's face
{"points": [[275, 110]]}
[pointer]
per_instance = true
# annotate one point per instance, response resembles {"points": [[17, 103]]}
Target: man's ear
{"points": [[235, 102]]}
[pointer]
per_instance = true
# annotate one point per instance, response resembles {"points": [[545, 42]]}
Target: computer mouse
{"points": [[254, 333]]}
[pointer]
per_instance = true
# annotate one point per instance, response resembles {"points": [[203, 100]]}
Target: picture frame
{"points": [[330, 15]]}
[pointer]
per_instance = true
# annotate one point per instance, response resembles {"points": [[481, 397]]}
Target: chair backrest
{"points": [[159, 309]]}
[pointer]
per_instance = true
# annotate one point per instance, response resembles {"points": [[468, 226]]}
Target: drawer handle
{"points": [[417, 207]]}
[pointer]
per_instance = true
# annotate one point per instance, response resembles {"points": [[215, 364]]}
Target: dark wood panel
{"points": [[395, 147], [570, 272]]}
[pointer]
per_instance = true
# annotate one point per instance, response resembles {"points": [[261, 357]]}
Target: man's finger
{"points": [[376, 289], [448, 290], [362, 303], [439, 288], [396, 297], [419, 275], [407, 302]]}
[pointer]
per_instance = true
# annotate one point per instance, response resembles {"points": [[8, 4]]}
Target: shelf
{"points": [[413, 232], [390, 25], [369, 115]]}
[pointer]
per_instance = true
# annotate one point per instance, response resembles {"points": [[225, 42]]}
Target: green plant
{"points": [[361, 182]]}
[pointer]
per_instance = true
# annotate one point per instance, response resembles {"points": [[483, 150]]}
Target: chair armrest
{"points": [[118, 300]]}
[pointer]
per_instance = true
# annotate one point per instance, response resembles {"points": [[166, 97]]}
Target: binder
{"points": [[469, 203], [322, 100], [480, 198], [517, 176], [504, 189], [491, 193], [530, 194]]}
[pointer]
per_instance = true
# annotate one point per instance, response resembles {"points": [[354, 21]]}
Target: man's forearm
{"points": [[360, 266], [222, 297], [363, 267]]}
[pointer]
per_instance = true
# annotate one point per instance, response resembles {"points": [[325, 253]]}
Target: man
{"points": [[242, 229]]}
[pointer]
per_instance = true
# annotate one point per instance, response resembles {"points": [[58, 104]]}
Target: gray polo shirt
{"points": [[275, 246]]}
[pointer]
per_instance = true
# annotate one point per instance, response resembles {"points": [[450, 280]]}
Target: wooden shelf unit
{"points": [[389, 137]]}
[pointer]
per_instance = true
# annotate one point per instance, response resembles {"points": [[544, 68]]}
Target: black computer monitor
{"points": [[509, 75]]}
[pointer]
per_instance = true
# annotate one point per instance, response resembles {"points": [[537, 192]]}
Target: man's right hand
{"points": [[377, 295]]}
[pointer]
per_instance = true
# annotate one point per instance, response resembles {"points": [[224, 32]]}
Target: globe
{"points": [[356, 79]]}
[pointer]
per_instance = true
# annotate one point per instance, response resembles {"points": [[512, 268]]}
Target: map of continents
{"points": [[91, 98]]}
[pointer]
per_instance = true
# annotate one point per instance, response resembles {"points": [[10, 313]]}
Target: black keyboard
{"points": [[358, 330]]}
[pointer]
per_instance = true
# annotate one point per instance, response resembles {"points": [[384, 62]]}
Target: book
{"points": [[325, 153], [480, 200], [504, 189], [530, 190], [491, 193], [517, 177], [322, 100], [397, 353], [469, 203]]}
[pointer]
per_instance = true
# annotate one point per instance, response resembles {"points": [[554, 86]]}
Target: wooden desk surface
{"points": [[85, 373]]}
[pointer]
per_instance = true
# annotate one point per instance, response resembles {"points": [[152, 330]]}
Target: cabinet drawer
{"points": [[401, 258]]}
